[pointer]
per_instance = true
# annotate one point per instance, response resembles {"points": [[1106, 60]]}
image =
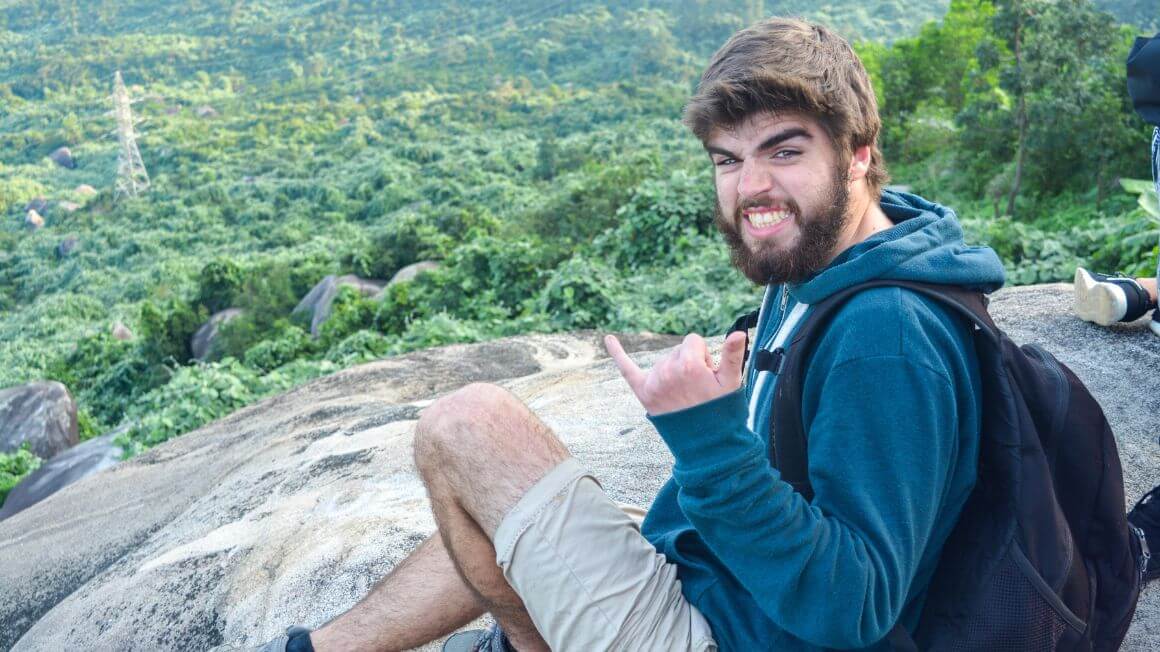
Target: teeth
{"points": [[763, 219]]}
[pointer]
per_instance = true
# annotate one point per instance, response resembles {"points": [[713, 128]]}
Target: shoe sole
{"points": [[1101, 303]]}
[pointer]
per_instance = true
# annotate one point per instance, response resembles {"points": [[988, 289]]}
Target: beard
{"points": [[818, 236]]}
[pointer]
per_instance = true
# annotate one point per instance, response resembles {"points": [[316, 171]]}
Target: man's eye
{"points": [[785, 153], [726, 161]]}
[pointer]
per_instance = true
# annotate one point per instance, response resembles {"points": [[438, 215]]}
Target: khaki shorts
{"points": [[588, 578]]}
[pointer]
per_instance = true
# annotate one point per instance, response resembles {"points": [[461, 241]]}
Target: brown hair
{"points": [[785, 65]]}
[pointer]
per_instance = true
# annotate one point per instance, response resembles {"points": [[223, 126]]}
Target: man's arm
{"points": [[883, 443]]}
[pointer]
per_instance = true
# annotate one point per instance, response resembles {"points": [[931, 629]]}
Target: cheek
{"points": [[726, 194]]}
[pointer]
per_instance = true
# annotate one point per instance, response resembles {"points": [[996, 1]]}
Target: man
{"points": [[729, 557], [1107, 298]]}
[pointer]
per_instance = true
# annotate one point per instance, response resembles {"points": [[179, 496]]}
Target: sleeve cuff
{"points": [[709, 434]]}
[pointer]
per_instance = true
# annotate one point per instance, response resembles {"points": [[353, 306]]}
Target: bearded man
{"points": [[729, 557]]}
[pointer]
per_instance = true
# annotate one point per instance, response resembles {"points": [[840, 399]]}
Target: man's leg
{"points": [[422, 599], [478, 451]]}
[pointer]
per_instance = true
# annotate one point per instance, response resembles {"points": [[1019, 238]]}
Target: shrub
{"points": [[657, 222], [350, 312], [287, 343], [166, 329], [218, 285], [194, 396], [14, 466], [580, 294], [438, 330], [359, 347]]}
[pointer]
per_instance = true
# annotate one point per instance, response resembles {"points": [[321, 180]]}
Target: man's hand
{"points": [[684, 378]]}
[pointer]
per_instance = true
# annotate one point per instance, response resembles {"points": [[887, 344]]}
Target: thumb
{"points": [[732, 360]]}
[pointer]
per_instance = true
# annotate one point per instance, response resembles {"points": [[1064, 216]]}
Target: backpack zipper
{"points": [[1063, 388]]}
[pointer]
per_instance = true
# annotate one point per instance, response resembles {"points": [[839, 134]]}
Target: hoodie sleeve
{"points": [[884, 434]]}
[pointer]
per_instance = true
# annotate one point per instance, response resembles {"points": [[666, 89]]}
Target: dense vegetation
{"points": [[534, 149]]}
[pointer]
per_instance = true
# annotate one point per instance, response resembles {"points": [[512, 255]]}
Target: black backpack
{"points": [[1042, 557]]}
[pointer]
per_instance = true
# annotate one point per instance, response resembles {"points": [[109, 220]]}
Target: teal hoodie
{"points": [[891, 405]]}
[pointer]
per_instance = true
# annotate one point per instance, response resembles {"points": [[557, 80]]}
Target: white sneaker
{"points": [[1105, 299]]}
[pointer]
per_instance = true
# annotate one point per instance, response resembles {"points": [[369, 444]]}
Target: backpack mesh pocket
{"points": [[1014, 617]]}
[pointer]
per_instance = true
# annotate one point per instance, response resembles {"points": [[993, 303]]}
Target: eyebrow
{"points": [[769, 143]]}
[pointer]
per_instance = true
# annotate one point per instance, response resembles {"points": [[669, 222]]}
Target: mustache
{"points": [[746, 204]]}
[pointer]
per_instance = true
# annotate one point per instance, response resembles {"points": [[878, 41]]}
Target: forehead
{"points": [[754, 129]]}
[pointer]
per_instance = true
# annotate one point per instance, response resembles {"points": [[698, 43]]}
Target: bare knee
{"points": [[464, 420]]}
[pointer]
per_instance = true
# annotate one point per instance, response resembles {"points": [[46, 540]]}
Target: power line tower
{"points": [[132, 178]]}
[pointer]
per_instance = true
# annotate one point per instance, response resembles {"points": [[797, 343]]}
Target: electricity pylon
{"points": [[132, 178]]}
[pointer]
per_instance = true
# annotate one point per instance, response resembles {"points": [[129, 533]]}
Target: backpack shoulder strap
{"points": [[744, 323], [788, 446]]}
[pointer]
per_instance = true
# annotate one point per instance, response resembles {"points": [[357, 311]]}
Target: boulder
{"points": [[33, 220], [43, 414], [121, 332], [63, 157], [409, 272], [38, 204], [68, 206], [205, 111], [76, 463], [201, 345], [289, 510], [67, 246], [85, 190], [318, 301]]}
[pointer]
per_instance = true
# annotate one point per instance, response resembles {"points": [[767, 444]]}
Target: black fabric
{"points": [[744, 323], [1144, 78], [1042, 557]]}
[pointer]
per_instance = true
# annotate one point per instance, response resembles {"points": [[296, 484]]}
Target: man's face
{"points": [[782, 196]]}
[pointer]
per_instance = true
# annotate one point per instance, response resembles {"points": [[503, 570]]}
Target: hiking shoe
{"points": [[1155, 323], [282, 643], [1145, 516], [1105, 299], [491, 639]]}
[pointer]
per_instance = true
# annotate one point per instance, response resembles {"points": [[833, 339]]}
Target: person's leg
{"points": [[423, 598], [477, 450], [1149, 284]]}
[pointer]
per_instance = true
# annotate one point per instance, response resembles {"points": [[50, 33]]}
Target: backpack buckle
{"points": [[1145, 552]]}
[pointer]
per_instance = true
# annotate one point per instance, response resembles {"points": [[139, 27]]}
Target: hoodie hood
{"points": [[925, 244]]}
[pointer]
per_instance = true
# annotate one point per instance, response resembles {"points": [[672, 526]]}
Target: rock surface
{"points": [[411, 271], [38, 204], [76, 463], [121, 332], [85, 190], [33, 220], [42, 414], [63, 157], [67, 246], [319, 300], [289, 510], [201, 344]]}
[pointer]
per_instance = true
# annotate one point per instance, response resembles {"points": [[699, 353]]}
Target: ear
{"points": [[859, 163]]}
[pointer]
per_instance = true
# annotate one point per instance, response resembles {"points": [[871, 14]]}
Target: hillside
{"points": [[534, 150]]}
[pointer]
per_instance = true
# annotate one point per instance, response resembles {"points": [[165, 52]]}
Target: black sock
{"points": [[300, 643]]}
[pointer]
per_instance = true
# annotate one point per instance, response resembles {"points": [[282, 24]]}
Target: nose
{"points": [[754, 180]]}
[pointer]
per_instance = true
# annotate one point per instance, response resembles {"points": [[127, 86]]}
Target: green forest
{"points": [[533, 150]]}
